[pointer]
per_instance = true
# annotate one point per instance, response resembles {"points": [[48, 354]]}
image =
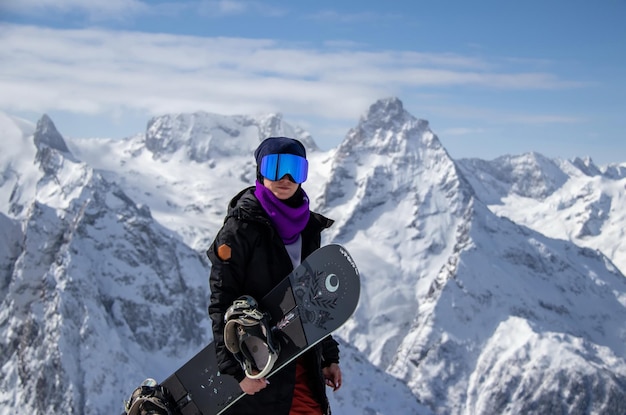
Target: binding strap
{"points": [[249, 338], [149, 398]]}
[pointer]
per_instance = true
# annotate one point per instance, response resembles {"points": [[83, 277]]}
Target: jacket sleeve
{"points": [[330, 351], [227, 254]]}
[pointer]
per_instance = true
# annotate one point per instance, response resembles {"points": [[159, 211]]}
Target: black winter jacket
{"points": [[258, 262]]}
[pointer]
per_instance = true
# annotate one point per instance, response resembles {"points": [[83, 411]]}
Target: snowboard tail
{"points": [[314, 300]]}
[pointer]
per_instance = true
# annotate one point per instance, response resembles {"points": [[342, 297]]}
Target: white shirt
{"points": [[295, 251]]}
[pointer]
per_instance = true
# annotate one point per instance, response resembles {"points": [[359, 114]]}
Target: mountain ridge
{"points": [[572, 200]]}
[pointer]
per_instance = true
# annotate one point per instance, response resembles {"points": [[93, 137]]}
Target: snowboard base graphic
{"points": [[314, 300]]}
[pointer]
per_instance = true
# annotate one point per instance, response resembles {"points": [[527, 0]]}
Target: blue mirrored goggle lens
{"points": [[276, 166]]}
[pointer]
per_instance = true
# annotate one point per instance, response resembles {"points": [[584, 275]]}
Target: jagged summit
{"points": [[203, 136], [390, 154], [388, 108], [587, 166], [616, 171], [389, 127], [51, 148], [528, 175], [46, 134]]}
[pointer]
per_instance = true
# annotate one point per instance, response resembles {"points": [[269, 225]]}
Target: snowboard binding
{"points": [[149, 398], [249, 337]]}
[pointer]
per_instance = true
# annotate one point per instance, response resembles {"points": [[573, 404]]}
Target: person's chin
{"points": [[283, 194]]}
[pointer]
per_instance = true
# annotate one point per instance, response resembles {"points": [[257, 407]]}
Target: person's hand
{"points": [[332, 375], [252, 386]]}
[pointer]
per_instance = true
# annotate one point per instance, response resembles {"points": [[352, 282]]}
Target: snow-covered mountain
{"points": [[94, 290], [566, 199], [448, 284], [465, 308]]}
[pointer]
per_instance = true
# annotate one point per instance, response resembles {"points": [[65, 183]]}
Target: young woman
{"points": [[268, 230]]}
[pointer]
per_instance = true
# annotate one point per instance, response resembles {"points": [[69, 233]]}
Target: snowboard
{"points": [[315, 299]]}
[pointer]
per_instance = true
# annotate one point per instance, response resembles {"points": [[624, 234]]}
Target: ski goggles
{"points": [[276, 166]]}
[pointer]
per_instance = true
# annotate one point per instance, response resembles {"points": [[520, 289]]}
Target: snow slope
{"points": [[573, 200]]}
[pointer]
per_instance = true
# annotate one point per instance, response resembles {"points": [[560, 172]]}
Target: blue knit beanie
{"points": [[279, 145]]}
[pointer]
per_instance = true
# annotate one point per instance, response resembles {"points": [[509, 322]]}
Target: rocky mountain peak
{"points": [[587, 166], [387, 128], [387, 108], [528, 175], [392, 159], [46, 134], [202, 136], [51, 147]]}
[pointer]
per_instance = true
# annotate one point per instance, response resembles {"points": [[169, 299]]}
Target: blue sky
{"points": [[491, 77]]}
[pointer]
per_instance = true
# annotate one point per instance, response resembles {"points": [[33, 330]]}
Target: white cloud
{"points": [[103, 71]]}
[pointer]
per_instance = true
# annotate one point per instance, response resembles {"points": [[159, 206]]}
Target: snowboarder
{"points": [[267, 231]]}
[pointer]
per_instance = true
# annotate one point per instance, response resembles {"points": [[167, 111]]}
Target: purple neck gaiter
{"points": [[287, 220]]}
